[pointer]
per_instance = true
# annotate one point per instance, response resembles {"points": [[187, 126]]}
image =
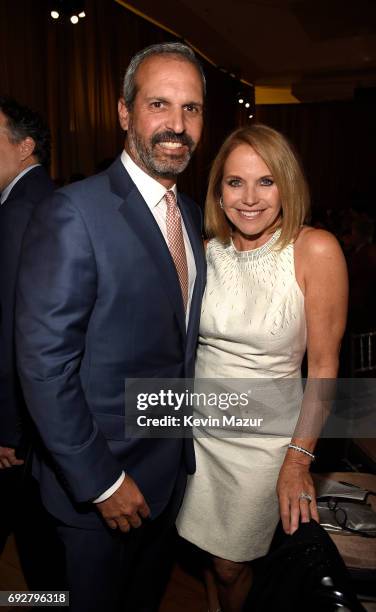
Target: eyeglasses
{"points": [[342, 519]]}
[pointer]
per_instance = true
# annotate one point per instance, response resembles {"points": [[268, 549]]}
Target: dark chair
{"points": [[302, 572]]}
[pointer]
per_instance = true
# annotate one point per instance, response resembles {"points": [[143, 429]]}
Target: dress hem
{"points": [[216, 554]]}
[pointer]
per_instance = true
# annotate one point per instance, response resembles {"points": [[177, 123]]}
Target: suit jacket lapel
{"points": [[197, 248], [138, 216], [195, 310]]}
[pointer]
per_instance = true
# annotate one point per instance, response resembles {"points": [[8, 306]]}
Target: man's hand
{"points": [[126, 507], [8, 457]]}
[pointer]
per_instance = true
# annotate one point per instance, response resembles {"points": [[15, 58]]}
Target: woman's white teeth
{"points": [[250, 214], [171, 145]]}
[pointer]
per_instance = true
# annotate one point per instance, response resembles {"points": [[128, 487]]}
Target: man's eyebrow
{"points": [[193, 103], [156, 99], [161, 99]]}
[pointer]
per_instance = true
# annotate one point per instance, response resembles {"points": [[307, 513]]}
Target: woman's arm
{"points": [[322, 275]]}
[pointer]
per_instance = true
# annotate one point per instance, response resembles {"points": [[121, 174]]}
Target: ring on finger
{"points": [[306, 496]]}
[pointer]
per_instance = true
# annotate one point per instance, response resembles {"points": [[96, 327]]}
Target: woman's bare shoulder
{"points": [[316, 243]]}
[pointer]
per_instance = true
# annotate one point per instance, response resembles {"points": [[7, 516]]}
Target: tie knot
{"points": [[170, 199]]}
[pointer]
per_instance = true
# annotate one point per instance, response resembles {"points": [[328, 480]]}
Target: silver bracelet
{"points": [[300, 449]]}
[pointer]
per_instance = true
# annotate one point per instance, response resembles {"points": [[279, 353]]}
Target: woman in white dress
{"points": [[275, 287]]}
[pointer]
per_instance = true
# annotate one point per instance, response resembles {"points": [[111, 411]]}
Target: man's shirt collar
{"points": [[9, 187], [151, 190]]}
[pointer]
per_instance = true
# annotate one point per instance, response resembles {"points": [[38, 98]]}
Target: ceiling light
{"points": [[247, 105], [240, 100], [82, 14], [55, 15], [74, 19], [250, 116]]}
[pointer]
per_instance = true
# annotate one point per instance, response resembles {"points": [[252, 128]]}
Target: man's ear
{"points": [[27, 147], [123, 114]]}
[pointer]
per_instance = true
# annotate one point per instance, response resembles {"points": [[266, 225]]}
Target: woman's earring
{"points": [[221, 202]]}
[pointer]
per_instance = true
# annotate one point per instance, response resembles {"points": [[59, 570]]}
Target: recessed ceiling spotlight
{"points": [[74, 19], [55, 15], [247, 105], [82, 14]]}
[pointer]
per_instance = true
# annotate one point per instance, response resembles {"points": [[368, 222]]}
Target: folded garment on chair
{"points": [[343, 508], [347, 517], [327, 488]]}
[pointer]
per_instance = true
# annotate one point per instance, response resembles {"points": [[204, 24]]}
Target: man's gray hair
{"points": [[174, 48]]}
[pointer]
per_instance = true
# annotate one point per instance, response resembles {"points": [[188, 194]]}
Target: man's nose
{"points": [[175, 120]]}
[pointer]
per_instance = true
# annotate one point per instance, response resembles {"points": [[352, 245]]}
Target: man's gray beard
{"points": [[154, 167]]}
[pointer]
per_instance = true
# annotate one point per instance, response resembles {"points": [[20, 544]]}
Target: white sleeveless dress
{"points": [[252, 326]]}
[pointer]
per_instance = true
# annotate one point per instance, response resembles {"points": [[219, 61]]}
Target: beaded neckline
{"points": [[260, 251]]}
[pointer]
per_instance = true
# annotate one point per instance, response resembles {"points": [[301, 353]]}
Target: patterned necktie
{"points": [[175, 242]]}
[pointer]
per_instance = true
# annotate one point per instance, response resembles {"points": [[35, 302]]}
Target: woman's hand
{"points": [[295, 479]]}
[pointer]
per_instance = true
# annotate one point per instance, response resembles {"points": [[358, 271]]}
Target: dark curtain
{"points": [[337, 144], [72, 74]]}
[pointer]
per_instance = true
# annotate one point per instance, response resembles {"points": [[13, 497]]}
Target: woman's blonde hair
{"points": [[277, 153]]}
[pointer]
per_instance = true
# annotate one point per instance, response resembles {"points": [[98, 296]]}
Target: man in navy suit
{"points": [[24, 157], [102, 297]]}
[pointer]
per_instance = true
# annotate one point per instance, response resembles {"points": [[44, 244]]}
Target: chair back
{"points": [[363, 354]]}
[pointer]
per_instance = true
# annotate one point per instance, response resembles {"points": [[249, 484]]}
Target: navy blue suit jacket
{"points": [[15, 214], [99, 301]]}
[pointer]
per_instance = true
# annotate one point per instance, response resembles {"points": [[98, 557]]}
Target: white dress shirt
{"points": [[153, 193], [9, 187]]}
